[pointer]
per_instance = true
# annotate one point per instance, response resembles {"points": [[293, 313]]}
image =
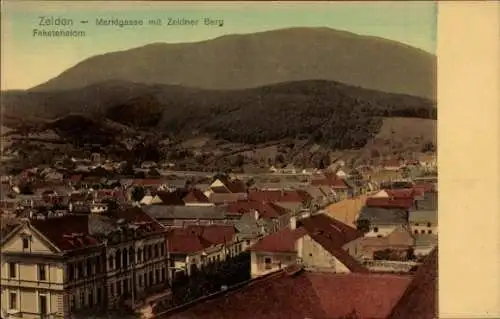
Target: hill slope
{"points": [[252, 60], [326, 112]]}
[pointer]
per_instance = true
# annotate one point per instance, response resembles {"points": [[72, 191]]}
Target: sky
{"points": [[29, 60]]}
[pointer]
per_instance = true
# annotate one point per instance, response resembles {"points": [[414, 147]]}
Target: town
{"points": [[85, 236]]}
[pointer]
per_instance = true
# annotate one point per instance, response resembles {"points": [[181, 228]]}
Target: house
{"points": [[197, 245], [399, 240], [195, 197], [380, 221], [226, 198], [293, 200], [179, 216], [423, 221], [275, 216], [170, 198], [49, 271], [226, 186], [339, 185], [295, 293], [317, 242]]}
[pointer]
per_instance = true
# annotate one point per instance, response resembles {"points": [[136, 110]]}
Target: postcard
{"points": [[219, 160]]}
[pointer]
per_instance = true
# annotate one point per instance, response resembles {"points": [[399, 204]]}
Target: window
{"points": [[118, 259], [375, 229], [42, 274], [110, 262], [99, 295], [42, 304], [416, 224], [82, 299], [157, 252], [163, 274], [267, 262], [71, 272], [145, 280], [72, 302], [13, 300], [111, 290], [151, 278], [416, 231], [89, 267], [139, 255], [140, 280], [422, 231], [26, 243], [162, 249], [150, 252], [428, 224], [12, 270], [157, 276], [429, 231], [91, 299], [118, 287], [247, 242]]}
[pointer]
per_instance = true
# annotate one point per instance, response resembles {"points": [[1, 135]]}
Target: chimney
{"points": [[293, 222]]}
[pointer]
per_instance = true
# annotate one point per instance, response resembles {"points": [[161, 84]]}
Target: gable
{"points": [[37, 244], [381, 194], [217, 183]]}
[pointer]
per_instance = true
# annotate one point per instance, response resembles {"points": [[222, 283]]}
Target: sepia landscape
{"points": [[287, 173]]}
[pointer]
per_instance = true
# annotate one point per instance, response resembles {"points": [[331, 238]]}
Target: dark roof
{"points": [[173, 198], [67, 232], [162, 212], [378, 215], [196, 238], [420, 298], [404, 203], [195, 196], [266, 210], [137, 215], [304, 295], [298, 196]]}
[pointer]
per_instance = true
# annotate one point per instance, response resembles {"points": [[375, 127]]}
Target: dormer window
{"points": [[26, 242]]}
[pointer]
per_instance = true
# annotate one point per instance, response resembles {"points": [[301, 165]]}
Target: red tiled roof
{"points": [[426, 187], [195, 196], [315, 295], [401, 193], [76, 178], [282, 241], [404, 203], [236, 186], [137, 215], [284, 196], [197, 238], [266, 210], [179, 241], [67, 232], [420, 298], [218, 198]]}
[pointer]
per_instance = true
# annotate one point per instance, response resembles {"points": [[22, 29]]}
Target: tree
{"points": [[138, 193], [363, 225]]}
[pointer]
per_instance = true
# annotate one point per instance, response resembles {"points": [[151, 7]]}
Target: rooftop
{"points": [[315, 295]]}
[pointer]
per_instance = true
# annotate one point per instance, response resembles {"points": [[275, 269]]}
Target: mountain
{"points": [[327, 112], [234, 62]]}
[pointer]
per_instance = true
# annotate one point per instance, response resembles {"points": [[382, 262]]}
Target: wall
{"points": [[278, 261], [315, 256], [380, 230]]}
